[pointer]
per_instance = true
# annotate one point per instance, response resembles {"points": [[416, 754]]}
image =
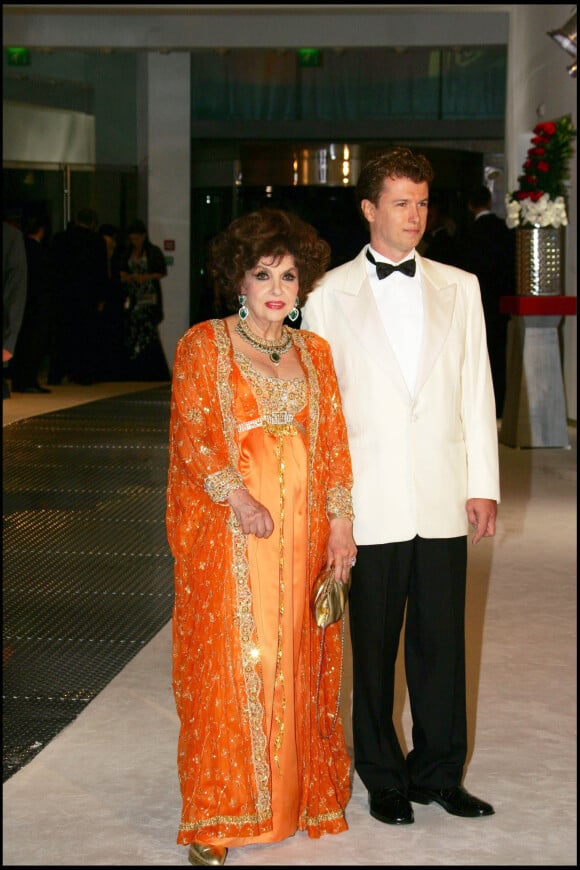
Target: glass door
{"points": [[60, 191]]}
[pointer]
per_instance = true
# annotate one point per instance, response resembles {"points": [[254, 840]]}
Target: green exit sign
{"points": [[18, 56], [309, 57]]}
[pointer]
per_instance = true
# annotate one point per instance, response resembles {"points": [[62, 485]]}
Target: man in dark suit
{"points": [[80, 260], [489, 252], [440, 242], [34, 337], [14, 294]]}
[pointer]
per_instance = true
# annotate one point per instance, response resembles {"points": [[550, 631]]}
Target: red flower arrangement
{"points": [[539, 201]]}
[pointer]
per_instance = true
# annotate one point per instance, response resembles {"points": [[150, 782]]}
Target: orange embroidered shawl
{"points": [[222, 753]]}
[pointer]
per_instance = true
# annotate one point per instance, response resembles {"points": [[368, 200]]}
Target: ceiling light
{"points": [[566, 38]]}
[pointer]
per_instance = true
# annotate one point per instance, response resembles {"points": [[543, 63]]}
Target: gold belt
{"points": [[279, 419]]}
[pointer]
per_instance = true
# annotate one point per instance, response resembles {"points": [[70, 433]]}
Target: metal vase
{"points": [[539, 259]]}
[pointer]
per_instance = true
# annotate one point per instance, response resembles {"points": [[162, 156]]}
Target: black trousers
{"points": [[424, 579]]}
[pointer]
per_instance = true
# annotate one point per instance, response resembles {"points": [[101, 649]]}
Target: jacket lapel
{"points": [[438, 302], [366, 326], [365, 323]]}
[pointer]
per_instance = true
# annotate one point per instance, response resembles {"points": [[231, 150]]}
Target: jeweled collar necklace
{"points": [[274, 347]]}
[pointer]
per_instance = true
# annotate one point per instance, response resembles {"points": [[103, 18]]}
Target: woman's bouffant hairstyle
{"points": [[137, 227], [396, 163], [267, 233]]}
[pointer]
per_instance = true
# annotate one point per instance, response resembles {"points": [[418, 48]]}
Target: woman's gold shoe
{"points": [[201, 853]]}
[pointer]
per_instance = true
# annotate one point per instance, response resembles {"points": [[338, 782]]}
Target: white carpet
{"points": [[104, 792]]}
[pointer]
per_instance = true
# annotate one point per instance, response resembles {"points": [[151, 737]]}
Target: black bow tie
{"points": [[407, 267]]}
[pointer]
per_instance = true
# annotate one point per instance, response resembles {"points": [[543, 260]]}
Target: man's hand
{"points": [[481, 513]]}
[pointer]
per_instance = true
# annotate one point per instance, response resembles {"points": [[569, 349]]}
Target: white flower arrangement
{"points": [[544, 212]]}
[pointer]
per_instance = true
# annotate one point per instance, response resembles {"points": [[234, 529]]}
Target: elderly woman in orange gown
{"points": [[258, 502]]}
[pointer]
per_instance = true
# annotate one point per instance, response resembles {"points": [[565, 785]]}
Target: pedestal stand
{"points": [[534, 412]]}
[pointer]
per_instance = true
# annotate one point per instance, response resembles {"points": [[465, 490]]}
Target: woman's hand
{"points": [[252, 516], [341, 548], [130, 278]]}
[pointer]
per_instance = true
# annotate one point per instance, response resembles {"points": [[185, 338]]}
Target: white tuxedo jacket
{"points": [[416, 460]]}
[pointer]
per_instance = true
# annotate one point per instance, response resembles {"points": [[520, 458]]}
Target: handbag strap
{"points": [[335, 716]]}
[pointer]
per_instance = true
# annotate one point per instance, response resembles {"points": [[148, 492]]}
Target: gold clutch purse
{"points": [[329, 597]]}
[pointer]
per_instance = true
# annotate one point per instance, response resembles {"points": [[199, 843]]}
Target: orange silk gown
{"points": [[273, 464], [252, 765]]}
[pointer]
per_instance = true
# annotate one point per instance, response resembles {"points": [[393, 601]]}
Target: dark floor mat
{"points": [[87, 573]]}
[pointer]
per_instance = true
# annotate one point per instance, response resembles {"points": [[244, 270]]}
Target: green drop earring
{"points": [[243, 312], [293, 315]]}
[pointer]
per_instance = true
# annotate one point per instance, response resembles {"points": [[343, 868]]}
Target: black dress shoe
{"points": [[455, 800], [391, 806]]}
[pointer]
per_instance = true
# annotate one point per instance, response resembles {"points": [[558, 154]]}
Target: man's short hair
{"points": [[398, 162], [479, 197]]}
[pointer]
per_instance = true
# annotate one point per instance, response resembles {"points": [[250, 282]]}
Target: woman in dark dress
{"points": [[140, 268]]}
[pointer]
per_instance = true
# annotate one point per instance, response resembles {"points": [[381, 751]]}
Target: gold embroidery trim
{"points": [[219, 485], [279, 674], [339, 503], [246, 626]]}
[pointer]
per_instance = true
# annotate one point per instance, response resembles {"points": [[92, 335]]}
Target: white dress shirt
{"points": [[400, 302]]}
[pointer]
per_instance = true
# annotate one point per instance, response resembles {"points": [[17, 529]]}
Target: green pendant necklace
{"points": [[274, 348]]}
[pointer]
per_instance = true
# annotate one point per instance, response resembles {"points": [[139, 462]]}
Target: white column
{"points": [[165, 161]]}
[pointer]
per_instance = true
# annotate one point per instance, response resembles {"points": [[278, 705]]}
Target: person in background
{"points": [[440, 242], [258, 502], [35, 336], [114, 361], [408, 341], [80, 262], [489, 252], [110, 233], [14, 277], [140, 268]]}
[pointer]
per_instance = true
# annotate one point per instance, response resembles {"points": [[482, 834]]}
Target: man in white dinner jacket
{"points": [[410, 352]]}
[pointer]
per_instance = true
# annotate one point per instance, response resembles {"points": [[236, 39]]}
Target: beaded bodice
{"points": [[274, 395]]}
